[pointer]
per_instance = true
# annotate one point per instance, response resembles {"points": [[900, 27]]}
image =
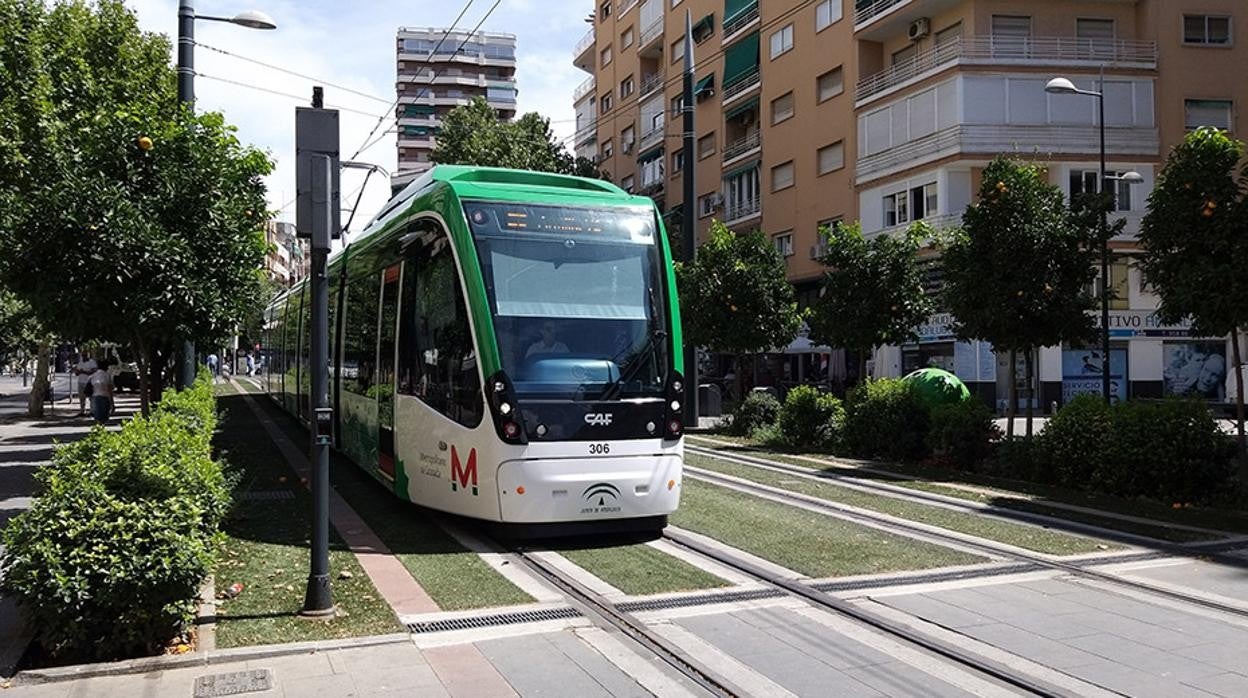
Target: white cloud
{"points": [[352, 44]]}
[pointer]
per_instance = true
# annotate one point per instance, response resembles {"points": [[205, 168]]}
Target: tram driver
{"points": [[548, 344]]}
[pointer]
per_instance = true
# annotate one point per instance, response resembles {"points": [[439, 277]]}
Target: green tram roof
{"points": [[496, 184]]}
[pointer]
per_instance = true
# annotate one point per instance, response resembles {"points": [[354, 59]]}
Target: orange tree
{"points": [[1195, 240]]}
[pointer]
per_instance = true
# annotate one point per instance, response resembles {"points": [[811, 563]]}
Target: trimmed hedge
{"points": [[962, 433], [757, 410], [109, 559], [810, 417], [886, 419]]}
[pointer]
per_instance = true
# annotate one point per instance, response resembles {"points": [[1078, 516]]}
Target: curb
{"points": [[149, 664]]}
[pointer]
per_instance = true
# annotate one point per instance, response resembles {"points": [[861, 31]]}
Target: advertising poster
{"points": [[1195, 368], [1081, 373]]}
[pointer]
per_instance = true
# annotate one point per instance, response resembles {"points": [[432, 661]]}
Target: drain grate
{"points": [[698, 600], [266, 495], [233, 683], [492, 620], [857, 584]]}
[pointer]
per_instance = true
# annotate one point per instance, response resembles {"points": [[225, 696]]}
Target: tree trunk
{"points": [[1011, 391], [862, 366], [1237, 360], [738, 378], [39, 389], [1028, 391], [145, 377]]}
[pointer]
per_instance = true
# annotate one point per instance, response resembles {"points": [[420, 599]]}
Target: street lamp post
{"points": [[1063, 86], [251, 19]]}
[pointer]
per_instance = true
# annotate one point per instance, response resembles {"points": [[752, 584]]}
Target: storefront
{"points": [[974, 362]]}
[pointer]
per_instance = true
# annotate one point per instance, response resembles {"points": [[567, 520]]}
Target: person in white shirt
{"points": [[548, 344], [101, 394], [83, 371]]}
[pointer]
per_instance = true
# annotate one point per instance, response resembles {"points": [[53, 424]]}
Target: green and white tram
{"points": [[504, 345]]}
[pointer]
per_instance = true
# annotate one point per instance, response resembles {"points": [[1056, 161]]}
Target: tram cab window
{"points": [[437, 360]]}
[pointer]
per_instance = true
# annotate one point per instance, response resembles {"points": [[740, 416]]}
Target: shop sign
{"points": [[1141, 323], [1081, 373], [937, 328]]}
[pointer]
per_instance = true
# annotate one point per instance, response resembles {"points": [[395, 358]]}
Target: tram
{"points": [[504, 345]]}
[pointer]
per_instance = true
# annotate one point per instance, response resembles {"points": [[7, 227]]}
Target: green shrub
{"points": [[962, 433], [1170, 450], [1077, 439], [757, 410], [811, 418], [885, 418], [769, 435], [108, 560], [1019, 458]]}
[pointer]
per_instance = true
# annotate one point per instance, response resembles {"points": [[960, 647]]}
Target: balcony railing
{"points": [[584, 44], [650, 83], [741, 146], [741, 85], [743, 208], [741, 21], [653, 31], [586, 134], [942, 222], [624, 6], [651, 137], [1056, 50], [865, 10], [586, 87]]}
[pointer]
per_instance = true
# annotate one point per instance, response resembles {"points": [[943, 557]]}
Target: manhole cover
{"points": [[233, 683]]}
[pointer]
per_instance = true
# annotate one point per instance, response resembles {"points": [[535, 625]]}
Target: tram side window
{"points": [[333, 332], [439, 364], [359, 329], [290, 344]]}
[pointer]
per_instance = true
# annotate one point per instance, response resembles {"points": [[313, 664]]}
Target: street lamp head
{"points": [[253, 19], [1131, 177], [1061, 86]]}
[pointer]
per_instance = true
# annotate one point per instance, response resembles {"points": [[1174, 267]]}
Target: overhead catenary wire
{"points": [[278, 93], [295, 73]]}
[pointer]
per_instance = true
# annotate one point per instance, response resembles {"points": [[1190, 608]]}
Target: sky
{"points": [[352, 44]]}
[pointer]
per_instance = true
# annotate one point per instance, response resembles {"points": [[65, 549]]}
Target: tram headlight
{"points": [[678, 386], [504, 408], [675, 405]]}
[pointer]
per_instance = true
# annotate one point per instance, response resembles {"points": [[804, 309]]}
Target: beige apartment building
{"points": [[438, 71], [811, 112]]}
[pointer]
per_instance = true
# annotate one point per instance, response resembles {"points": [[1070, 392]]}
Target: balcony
{"points": [[652, 31], [743, 209], [738, 25], [651, 138], [987, 140], [867, 11], [741, 85], [583, 53], [585, 88], [649, 84], [879, 20], [587, 134], [624, 6], [1063, 51], [943, 221], [742, 147]]}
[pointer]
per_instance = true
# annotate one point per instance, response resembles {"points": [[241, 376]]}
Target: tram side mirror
{"points": [[324, 424]]}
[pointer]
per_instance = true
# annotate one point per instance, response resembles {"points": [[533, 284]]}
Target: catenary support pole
{"points": [[688, 222], [186, 94], [1105, 362]]}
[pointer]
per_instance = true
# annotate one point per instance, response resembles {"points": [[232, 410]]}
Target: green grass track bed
{"points": [[639, 569]]}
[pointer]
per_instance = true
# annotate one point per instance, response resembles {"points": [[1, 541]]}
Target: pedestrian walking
{"points": [[101, 385], [212, 365], [251, 364], [83, 371]]}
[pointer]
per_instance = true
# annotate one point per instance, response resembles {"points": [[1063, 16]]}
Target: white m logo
{"points": [[598, 419]]}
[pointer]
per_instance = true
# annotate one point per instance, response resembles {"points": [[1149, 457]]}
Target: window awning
{"points": [[732, 8], [739, 109], [706, 84], [741, 59], [651, 154], [738, 171]]}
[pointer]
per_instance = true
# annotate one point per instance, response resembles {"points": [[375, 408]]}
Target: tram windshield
{"points": [[577, 298]]}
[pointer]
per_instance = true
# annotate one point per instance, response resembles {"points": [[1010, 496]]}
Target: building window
{"points": [[678, 162], [652, 172], [605, 57], [626, 87], [905, 55], [627, 183], [781, 108], [607, 151], [827, 13], [784, 243], [1094, 28], [782, 176], [627, 139], [782, 41], [626, 39], [678, 105], [706, 204], [1207, 30], [896, 209], [703, 28], [1010, 34], [1207, 112], [923, 201], [1084, 182], [604, 104], [949, 35], [830, 84], [678, 50], [604, 10], [741, 194], [831, 157], [706, 146]]}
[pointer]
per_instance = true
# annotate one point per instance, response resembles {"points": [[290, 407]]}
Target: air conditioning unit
{"points": [[920, 28]]}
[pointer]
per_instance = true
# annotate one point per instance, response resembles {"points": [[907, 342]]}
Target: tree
{"points": [[734, 298], [1195, 240], [124, 215], [1016, 274], [474, 135], [872, 291]]}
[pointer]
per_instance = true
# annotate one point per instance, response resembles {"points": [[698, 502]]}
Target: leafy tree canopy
{"points": [[872, 290], [735, 298], [474, 135]]}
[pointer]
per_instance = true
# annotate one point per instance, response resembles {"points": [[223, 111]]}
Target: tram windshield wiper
{"points": [[639, 361]]}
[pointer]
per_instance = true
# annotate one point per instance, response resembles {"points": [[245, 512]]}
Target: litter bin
{"points": [[710, 401]]}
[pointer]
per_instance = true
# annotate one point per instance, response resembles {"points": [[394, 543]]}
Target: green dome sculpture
{"points": [[938, 387]]}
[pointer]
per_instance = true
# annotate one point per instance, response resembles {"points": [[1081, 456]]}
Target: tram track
{"points": [[963, 541]]}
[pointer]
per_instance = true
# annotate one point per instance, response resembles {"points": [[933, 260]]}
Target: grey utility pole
{"points": [[186, 94], [317, 216], [688, 221]]}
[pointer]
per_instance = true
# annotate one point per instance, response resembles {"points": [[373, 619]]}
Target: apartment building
{"points": [[887, 111], [438, 71], [288, 257]]}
